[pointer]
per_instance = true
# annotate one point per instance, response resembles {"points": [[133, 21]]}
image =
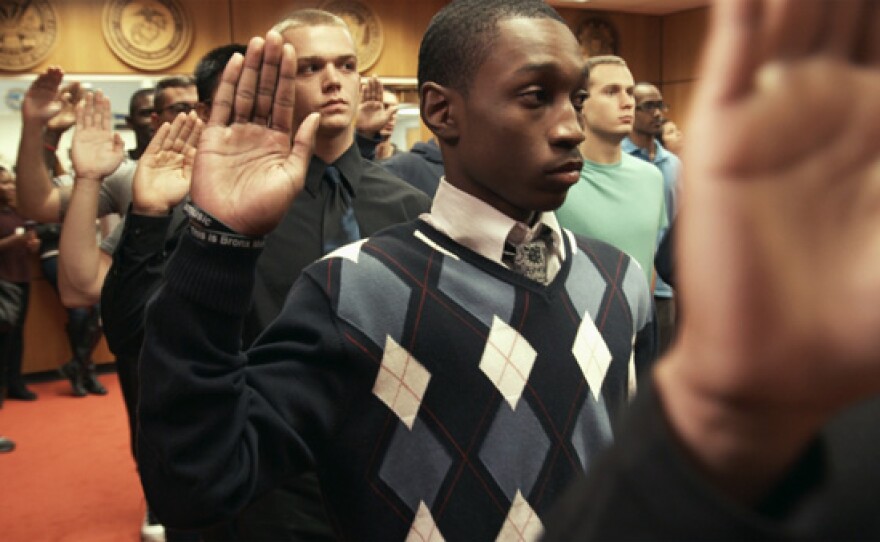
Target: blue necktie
{"points": [[340, 226]]}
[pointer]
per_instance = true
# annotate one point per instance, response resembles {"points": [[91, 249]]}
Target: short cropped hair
{"points": [[603, 60], [211, 66], [172, 81], [133, 101], [612, 60], [462, 34], [309, 17]]}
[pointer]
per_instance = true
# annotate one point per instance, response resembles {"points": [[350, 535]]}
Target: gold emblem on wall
{"points": [[147, 34], [597, 36], [28, 30], [365, 29]]}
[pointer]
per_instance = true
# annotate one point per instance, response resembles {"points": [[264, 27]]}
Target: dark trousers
{"points": [[127, 370], [291, 512], [12, 345]]}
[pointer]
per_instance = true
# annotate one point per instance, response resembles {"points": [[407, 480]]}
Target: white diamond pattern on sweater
{"points": [[401, 382], [522, 522], [592, 355], [423, 528], [507, 361]]}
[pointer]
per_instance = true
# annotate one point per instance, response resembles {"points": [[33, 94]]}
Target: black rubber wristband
{"points": [[205, 220], [234, 240]]}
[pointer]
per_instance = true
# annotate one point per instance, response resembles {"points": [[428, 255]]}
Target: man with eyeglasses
{"points": [[174, 95], [619, 198], [644, 142]]}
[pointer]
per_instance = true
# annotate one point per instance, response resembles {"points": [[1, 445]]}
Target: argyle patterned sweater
{"points": [[438, 394]]}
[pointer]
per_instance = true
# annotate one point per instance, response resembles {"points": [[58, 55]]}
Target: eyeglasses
{"points": [[179, 107], [651, 107], [143, 112]]}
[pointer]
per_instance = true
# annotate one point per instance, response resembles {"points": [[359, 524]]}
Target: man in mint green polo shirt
{"points": [[619, 198], [644, 143]]}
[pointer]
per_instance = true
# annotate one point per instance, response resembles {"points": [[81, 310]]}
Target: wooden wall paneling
{"points": [[255, 17], [45, 337], [639, 37], [45, 340], [679, 97], [404, 23], [683, 36], [213, 28]]}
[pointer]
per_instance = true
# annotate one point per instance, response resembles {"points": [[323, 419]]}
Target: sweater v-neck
{"points": [[496, 269]]}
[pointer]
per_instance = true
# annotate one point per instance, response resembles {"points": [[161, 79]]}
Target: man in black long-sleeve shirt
{"points": [[330, 85]]}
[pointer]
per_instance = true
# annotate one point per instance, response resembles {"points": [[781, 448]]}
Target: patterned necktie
{"points": [[340, 226], [530, 259]]}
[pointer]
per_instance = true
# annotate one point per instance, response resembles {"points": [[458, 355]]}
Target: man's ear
{"points": [[439, 110]]}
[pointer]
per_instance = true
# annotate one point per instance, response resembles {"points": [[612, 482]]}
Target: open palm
{"points": [[780, 239], [164, 171], [96, 150], [246, 171], [372, 115], [41, 101]]}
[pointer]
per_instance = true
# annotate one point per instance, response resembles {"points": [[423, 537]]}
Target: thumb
{"points": [[118, 143], [51, 110], [304, 142]]}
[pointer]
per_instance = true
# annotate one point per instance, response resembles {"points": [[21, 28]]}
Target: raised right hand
{"points": [[42, 101], [246, 172], [779, 245], [372, 115], [70, 95], [96, 150], [164, 171]]}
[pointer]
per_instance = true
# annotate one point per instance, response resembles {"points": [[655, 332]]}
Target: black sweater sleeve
{"points": [[219, 426]]}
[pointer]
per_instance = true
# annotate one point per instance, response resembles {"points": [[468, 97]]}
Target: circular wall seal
{"points": [[597, 36], [365, 29], [147, 34], [28, 30]]}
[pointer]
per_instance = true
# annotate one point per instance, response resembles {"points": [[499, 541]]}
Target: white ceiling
{"points": [[652, 7]]}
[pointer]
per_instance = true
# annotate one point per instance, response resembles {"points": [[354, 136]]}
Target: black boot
{"points": [[15, 387], [73, 372], [91, 382], [17, 390], [84, 334]]}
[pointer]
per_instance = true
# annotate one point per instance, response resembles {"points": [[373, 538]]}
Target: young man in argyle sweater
{"points": [[436, 391]]}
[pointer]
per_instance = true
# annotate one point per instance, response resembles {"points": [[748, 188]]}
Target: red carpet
{"points": [[71, 476]]}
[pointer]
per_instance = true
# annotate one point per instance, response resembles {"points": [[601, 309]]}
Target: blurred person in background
{"points": [[17, 242]]}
